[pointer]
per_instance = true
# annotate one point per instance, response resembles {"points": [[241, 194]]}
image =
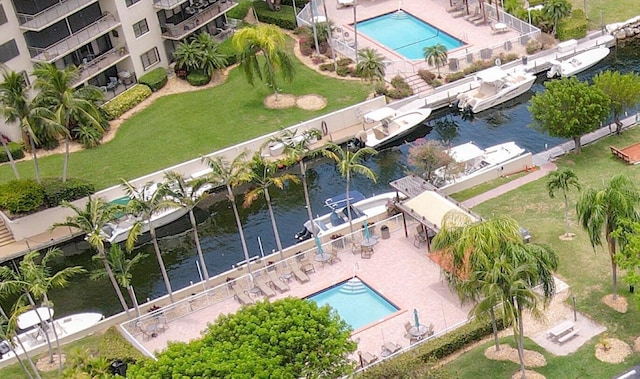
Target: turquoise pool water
{"points": [[356, 302], [406, 34]]}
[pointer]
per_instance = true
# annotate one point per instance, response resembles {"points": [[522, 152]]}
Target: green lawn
{"points": [[484, 187], [180, 127], [607, 11]]}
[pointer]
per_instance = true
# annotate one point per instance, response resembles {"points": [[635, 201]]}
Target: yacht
{"points": [[390, 125], [577, 63], [496, 87]]}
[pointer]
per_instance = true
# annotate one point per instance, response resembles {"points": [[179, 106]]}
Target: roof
{"points": [[465, 152], [491, 75], [430, 206]]}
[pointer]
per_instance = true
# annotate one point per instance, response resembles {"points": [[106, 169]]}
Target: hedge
{"points": [[239, 12], [155, 79], [55, 191], [198, 78], [16, 152], [126, 100], [574, 27], [226, 48], [21, 196], [283, 18]]}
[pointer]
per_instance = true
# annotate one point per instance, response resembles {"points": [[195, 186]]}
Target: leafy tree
{"points": [[602, 211], [288, 338], [349, 163], [270, 42], [8, 326], [436, 55], [427, 156], [563, 181], [569, 108], [556, 10], [200, 53], [622, 89], [628, 258], [187, 55], [370, 65]]}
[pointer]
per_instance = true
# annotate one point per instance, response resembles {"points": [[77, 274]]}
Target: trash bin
{"points": [[524, 60], [118, 367], [384, 232]]}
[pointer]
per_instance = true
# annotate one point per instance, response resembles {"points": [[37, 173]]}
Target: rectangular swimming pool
{"points": [[356, 302], [405, 34]]}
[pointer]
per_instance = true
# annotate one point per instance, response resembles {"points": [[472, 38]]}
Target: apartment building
{"points": [[113, 42]]}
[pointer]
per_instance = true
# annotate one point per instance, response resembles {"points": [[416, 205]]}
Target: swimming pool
{"points": [[406, 34], [356, 302]]}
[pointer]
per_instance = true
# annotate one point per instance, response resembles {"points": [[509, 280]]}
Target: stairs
{"points": [[417, 84], [5, 234], [353, 287]]}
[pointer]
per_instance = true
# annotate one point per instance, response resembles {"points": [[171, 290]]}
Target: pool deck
{"points": [[398, 270]]}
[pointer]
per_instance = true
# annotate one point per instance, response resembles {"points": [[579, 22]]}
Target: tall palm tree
{"points": [[187, 195], [563, 181], [33, 281], [371, 65], [8, 327], [91, 220], [120, 267], [350, 163], [71, 106], [268, 40], [265, 174], [601, 212], [556, 10], [436, 55], [144, 202], [231, 174]]}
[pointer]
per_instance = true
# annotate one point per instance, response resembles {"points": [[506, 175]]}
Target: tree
{"points": [[628, 258], [8, 327], [436, 55], [371, 65], [602, 211], [569, 108], [556, 10], [187, 55], [144, 202], [268, 40], [187, 195], [200, 54], [91, 221], [265, 174], [255, 342], [563, 181], [623, 91], [71, 107], [427, 157], [231, 174], [349, 163], [33, 281]]}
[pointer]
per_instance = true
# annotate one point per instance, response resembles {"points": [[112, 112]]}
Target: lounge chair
{"points": [[473, 14], [368, 358], [390, 348], [300, 275], [264, 287], [334, 256], [278, 282], [420, 237], [242, 296]]}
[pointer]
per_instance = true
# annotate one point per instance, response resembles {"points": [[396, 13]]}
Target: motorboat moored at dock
{"points": [[577, 63], [496, 87]]}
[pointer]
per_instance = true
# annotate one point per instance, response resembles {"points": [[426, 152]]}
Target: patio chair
{"points": [[420, 237], [300, 275], [264, 287], [407, 326], [161, 324], [368, 358], [278, 282], [113, 83], [242, 296], [390, 348], [334, 256], [307, 266], [473, 14], [142, 329]]}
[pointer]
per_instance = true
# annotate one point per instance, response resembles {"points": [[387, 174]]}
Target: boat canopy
{"points": [[341, 200], [492, 75], [379, 114], [466, 152]]}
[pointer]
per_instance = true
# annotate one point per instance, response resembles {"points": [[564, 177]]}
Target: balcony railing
{"points": [[167, 4], [49, 54], [39, 21], [99, 64], [189, 25]]}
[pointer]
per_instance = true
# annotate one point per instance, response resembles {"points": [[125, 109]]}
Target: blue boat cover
{"points": [[341, 200]]}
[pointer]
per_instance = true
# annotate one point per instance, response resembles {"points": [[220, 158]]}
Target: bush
{"points": [[21, 196], [226, 48], [506, 58], [426, 75], [239, 12], [198, 78], [452, 77], [55, 191], [478, 66], [317, 60], [327, 67], [283, 18], [16, 150], [155, 79], [380, 88], [573, 27], [344, 62], [342, 70], [126, 100], [533, 46]]}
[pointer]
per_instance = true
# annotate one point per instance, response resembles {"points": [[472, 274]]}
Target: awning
{"points": [[430, 207], [379, 114]]}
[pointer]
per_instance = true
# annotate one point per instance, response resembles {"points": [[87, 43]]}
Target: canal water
{"points": [[218, 234]]}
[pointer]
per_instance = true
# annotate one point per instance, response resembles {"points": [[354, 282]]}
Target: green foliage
{"points": [[400, 88], [155, 79], [198, 78], [126, 100], [426, 75], [533, 46], [226, 49], [452, 77], [478, 66], [573, 27], [21, 196], [283, 18], [288, 338], [56, 191], [622, 89], [427, 156], [16, 150], [239, 12], [114, 346]]}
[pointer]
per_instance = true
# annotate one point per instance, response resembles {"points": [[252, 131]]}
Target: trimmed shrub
{"points": [[16, 150], [506, 58], [401, 88], [198, 78], [342, 70], [478, 66], [155, 79], [426, 75], [533, 46], [239, 12], [225, 48], [380, 88], [126, 100], [452, 77], [573, 27], [317, 60], [283, 18], [21, 196], [326, 67], [55, 191], [344, 61]]}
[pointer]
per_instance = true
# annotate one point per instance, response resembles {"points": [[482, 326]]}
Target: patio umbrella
{"points": [[415, 317], [318, 245], [367, 233]]}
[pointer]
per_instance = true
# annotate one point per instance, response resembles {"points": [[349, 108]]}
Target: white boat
{"points": [[390, 125], [578, 63], [362, 208], [34, 336], [472, 160], [496, 87]]}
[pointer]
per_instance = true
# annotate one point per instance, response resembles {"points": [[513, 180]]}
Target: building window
{"points": [[3, 16], [150, 58], [140, 27], [130, 2], [8, 51]]}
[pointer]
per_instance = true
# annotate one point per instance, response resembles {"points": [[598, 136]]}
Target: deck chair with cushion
{"points": [[390, 348], [300, 275], [263, 285], [242, 296], [368, 358], [473, 14], [278, 282]]}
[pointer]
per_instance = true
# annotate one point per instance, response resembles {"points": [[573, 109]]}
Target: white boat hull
{"points": [[120, 230], [393, 128], [578, 63], [502, 87]]}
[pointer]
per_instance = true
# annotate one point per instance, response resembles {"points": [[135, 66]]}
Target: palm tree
{"points": [[187, 55], [187, 195], [436, 55], [268, 40], [563, 181], [371, 65], [350, 163], [8, 327], [265, 174], [231, 174], [556, 10], [91, 220], [71, 106], [33, 281], [211, 59], [120, 267], [601, 211]]}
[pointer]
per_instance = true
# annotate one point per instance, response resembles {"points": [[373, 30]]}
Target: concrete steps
{"points": [[417, 84], [5, 235]]}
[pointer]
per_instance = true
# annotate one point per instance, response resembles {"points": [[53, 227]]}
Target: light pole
{"points": [[355, 29]]}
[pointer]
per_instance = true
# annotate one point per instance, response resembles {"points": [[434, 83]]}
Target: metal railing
{"points": [[190, 24], [53, 13], [91, 68], [167, 4]]}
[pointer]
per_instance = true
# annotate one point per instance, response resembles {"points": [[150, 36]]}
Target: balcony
{"points": [[100, 63], [63, 47], [167, 4], [182, 27], [51, 15]]}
